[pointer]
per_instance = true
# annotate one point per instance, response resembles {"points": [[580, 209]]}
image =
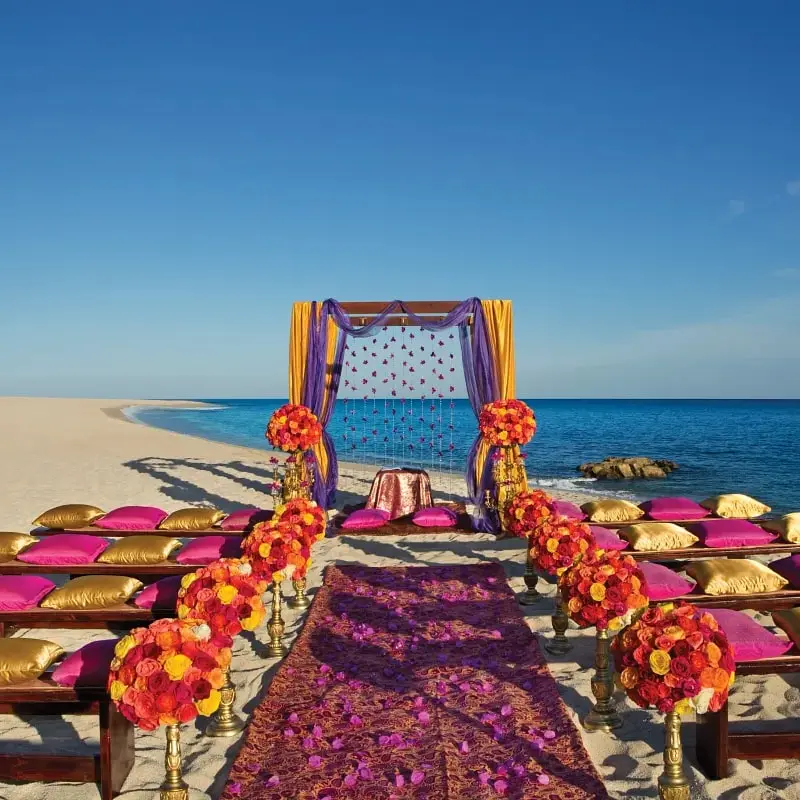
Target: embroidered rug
{"points": [[413, 682], [403, 526]]}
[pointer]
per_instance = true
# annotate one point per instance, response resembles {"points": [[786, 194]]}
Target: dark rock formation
{"points": [[616, 468]]}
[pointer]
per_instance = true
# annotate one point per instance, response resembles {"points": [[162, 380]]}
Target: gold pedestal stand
{"points": [[297, 480], [673, 783], [509, 477], [174, 787], [603, 715], [225, 721], [300, 599], [559, 645], [531, 595], [276, 626]]}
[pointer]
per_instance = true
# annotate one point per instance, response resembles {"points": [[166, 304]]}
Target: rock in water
{"points": [[615, 468]]}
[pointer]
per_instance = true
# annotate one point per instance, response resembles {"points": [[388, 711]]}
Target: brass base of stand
{"points": [[225, 721], [559, 645], [531, 595], [300, 598], [601, 721]]}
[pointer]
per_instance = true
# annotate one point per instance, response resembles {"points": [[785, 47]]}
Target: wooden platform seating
{"points": [[125, 615]]}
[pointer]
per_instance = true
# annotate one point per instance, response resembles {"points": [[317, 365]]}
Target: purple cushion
{"points": [[18, 592], [663, 583], [731, 533], [788, 568], [245, 519], [161, 594], [88, 666], [569, 510], [749, 639], [606, 539], [434, 517], [131, 518], [673, 508], [209, 548], [365, 519], [64, 548]]}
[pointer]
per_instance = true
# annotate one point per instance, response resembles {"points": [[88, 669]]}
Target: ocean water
{"points": [[749, 446]]}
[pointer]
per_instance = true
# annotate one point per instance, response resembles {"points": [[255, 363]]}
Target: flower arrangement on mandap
{"points": [[224, 594], [604, 590], [558, 544], [168, 673], [294, 428], [675, 659], [528, 510], [507, 423]]}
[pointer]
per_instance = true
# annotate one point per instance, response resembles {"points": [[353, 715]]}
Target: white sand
{"points": [[59, 451]]}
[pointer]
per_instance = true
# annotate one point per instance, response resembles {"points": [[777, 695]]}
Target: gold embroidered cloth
{"points": [[400, 492]]}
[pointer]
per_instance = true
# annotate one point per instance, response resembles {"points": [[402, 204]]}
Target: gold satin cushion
{"points": [[92, 591], [789, 623], [133, 550], [788, 527], [25, 659], [654, 536], [735, 506], [192, 519], [735, 576], [611, 511], [69, 517], [13, 543]]}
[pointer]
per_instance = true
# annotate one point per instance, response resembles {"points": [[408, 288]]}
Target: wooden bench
{"points": [[701, 551], [763, 601], [109, 768], [718, 740], [125, 615]]}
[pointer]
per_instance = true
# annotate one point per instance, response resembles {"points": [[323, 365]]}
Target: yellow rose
{"points": [[675, 632], [597, 592], [124, 646], [636, 584], [551, 545], [660, 661], [503, 435], [616, 624], [253, 621], [683, 706], [116, 690], [264, 549], [208, 706], [183, 611], [226, 593], [308, 518], [175, 666], [519, 513], [188, 579]]}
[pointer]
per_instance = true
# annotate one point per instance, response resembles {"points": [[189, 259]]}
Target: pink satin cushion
{"points": [[569, 510], [88, 666], [606, 539], [788, 568], [64, 548], [669, 509], [18, 592], [731, 533], [365, 519], [662, 583], [131, 518], [161, 594], [245, 519], [434, 517], [749, 640], [209, 548]]}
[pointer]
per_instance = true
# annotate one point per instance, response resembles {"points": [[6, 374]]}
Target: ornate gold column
{"points": [[603, 715], [225, 721], [300, 599], [174, 787], [559, 645], [673, 783], [531, 594], [276, 626]]}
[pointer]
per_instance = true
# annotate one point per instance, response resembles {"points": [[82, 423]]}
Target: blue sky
{"points": [[174, 175]]}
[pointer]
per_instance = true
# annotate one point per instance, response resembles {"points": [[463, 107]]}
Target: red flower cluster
{"points": [[294, 427], [307, 515], [528, 510], [168, 672], [556, 545], [225, 595], [277, 550], [676, 660], [505, 423], [604, 590]]}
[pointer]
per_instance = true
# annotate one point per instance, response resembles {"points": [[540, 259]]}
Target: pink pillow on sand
{"points": [[131, 518], [365, 519], [662, 583], [788, 568], [669, 509], [64, 548], [244, 519], [731, 533], [209, 548], [606, 539], [749, 640], [18, 592], [569, 510], [435, 517], [161, 594], [88, 666]]}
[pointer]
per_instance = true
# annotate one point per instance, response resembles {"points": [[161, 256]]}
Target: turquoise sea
{"points": [[749, 446]]}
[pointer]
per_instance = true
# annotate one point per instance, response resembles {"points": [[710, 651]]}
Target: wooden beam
{"points": [[415, 306], [396, 322]]}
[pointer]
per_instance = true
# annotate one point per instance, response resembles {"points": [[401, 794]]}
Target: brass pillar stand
{"points": [[174, 787], [673, 783], [603, 715], [300, 599], [297, 479], [531, 595], [559, 645], [225, 721], [276, 648]]}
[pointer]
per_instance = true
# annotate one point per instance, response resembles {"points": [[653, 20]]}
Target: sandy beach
{"points": [[86, 451]]}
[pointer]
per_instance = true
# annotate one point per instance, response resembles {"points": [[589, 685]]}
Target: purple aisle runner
{"points": [[413, 682]]}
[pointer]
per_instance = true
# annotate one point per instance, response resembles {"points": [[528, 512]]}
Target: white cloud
{"points": [[793, 188], [736, 207], [789, 272]]}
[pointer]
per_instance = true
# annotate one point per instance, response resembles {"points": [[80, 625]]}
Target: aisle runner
{"points": [[413, 682]]}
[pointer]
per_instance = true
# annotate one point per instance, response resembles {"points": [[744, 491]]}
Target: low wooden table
{"points": [[400, 492]]}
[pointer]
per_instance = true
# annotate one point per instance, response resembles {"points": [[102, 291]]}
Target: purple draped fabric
{"points": [[479, 374]]}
